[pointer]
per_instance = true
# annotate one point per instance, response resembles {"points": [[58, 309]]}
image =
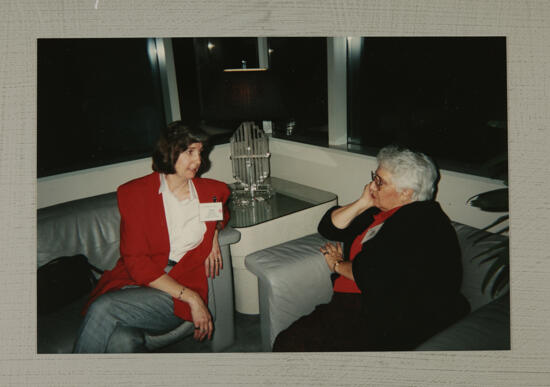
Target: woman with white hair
{"points": [[399, 270]]}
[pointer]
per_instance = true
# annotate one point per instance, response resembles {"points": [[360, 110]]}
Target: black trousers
{"points": [[333, 327], [341, 326]]}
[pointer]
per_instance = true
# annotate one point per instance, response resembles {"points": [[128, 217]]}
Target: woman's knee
{"points": [[126, 340], [102, 307]]}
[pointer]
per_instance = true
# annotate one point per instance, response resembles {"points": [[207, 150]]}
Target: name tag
{"points": [[210, 211], [372, 232]]}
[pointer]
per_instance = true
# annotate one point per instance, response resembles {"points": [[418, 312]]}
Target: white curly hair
{"points": [[409, 169]]}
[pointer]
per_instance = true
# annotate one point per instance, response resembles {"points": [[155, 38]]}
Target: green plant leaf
{"points": [[494, 201], [487, 235], [501, 219], [502, 245], [498, 256], [491, 201], [501, 281], [494, 269], [502, 230]]}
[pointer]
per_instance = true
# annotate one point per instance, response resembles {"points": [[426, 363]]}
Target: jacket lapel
{"points": [[156, 212], [202, 191]]}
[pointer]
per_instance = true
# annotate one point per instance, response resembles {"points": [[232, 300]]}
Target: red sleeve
{"points": [[225, 194], [134, 247]]}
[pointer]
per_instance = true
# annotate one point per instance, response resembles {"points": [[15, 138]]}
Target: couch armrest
{"points": [[228, 236], [293, 279], [221, 292]]}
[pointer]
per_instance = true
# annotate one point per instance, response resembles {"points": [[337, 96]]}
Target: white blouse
{"points": [[185, 229]]}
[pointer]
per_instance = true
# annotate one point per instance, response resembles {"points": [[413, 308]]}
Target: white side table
{"points": [[293, 212]]}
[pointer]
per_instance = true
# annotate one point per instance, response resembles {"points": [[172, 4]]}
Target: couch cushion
{"points": [[488, 328]]}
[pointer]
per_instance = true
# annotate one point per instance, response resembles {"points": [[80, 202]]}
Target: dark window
{"points": [[99, 102], [300, 67], [292, 93], [443, 96]]}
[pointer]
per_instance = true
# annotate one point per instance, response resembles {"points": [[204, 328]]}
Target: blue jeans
{"points": [[117, 321]]}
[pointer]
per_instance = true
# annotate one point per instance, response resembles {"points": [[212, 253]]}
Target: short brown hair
{"points": [[174, 140]]}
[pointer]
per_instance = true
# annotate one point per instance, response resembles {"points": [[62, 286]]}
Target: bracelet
{"points": [[336, 264], [181, 293]]}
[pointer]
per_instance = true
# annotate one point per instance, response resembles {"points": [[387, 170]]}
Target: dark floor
{"points": [[247, 338]]}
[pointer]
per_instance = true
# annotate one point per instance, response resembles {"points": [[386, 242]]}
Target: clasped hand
{"points": [[332, 253]]}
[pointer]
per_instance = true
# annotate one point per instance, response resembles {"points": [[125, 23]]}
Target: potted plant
{"points": [[498, 254]]}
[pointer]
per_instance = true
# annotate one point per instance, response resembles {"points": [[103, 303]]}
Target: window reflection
{"points": [[292, 90], [443, 96]]}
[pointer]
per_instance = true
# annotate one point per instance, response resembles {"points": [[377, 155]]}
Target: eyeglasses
{"points": [[377, 180]]}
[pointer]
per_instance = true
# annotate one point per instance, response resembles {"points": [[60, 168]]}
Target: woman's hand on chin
{"points": [[366, 200], [343, 216]]}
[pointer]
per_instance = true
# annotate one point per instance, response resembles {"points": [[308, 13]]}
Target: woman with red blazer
{"points": [[169, 246]]}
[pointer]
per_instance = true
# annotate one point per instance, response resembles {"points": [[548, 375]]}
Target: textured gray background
{"points": [[525, 23]]}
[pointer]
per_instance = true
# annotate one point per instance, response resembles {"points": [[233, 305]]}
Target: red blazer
{"points": [[145, 244]]}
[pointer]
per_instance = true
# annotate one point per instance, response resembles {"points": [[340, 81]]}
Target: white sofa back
{"points": [[89, 226]]}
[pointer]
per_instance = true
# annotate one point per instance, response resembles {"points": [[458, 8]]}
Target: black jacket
{"points": [[409, 273]]}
